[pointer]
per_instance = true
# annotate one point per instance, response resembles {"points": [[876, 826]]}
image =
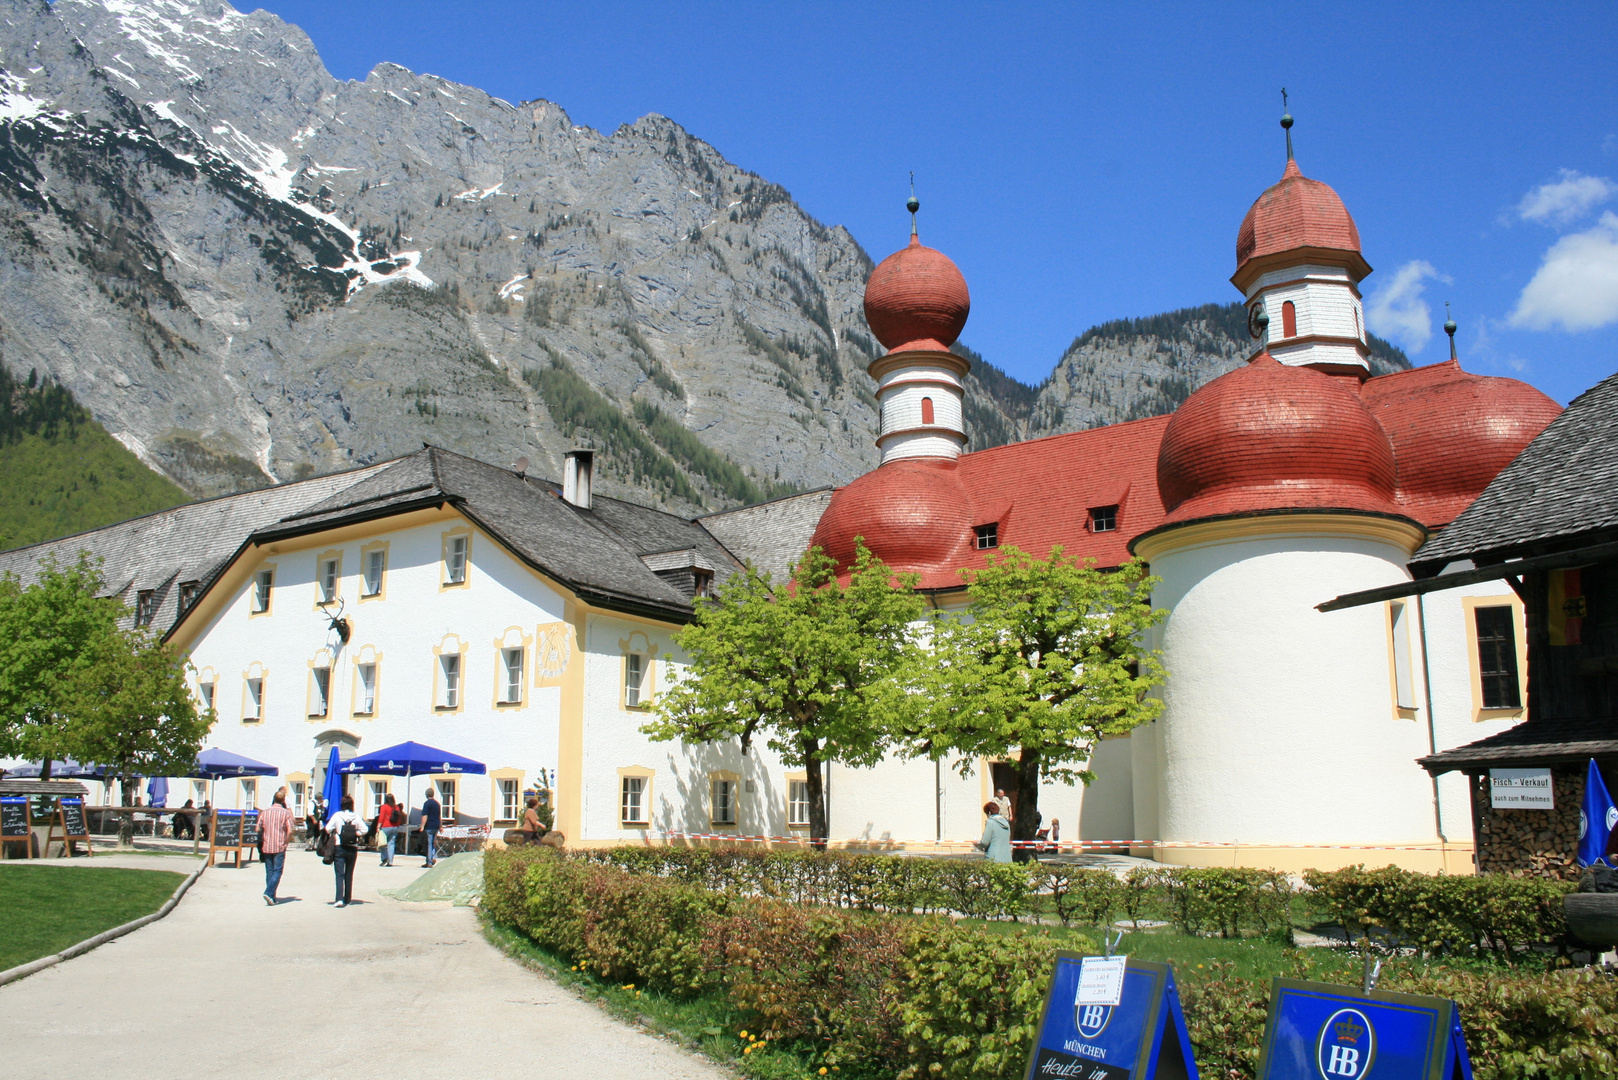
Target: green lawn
{"points": [[45, 909]]}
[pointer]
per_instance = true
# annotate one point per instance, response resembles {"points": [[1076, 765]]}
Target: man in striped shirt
{"points": [[275, 832]]}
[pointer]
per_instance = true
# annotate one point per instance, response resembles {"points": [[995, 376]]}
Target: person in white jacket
{"points": [[345, 828]]}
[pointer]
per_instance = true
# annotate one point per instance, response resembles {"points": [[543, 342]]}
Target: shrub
{"points": [[647, 929], [1227, 899], [971, 1001], [815, 973], [1087, 897], [1438, 914]]}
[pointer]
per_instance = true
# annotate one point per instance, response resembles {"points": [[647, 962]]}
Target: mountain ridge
{"points": [[251, 272]]}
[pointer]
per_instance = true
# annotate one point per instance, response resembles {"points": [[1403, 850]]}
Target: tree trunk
{"points": [[815, 779], [1027, 821], [45, 769]]}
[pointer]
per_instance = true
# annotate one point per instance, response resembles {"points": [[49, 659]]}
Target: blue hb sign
{"points": [[1318, 1031], [1143, 1036]]}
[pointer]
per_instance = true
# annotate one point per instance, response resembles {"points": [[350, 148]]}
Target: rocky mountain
{"points": [[251, 272], [1132, 368]]}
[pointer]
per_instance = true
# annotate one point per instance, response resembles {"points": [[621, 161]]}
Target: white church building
{"points": [[522, 623]]}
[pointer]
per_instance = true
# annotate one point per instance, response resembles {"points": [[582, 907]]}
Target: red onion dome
{"points": [[1453, 432], [1269, 437], [1295, 213], [913, 513], [917, 300]]}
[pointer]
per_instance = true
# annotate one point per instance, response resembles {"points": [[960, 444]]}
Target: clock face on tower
{"points": [[1257, 321]]}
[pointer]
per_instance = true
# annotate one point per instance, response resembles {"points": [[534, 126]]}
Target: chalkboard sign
{"points": [[1139, 1037], [1319, 1030], [249, 836], [73, 825], [14, 820], [227, 829]]}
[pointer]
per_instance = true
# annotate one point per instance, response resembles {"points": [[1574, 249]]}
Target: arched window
{"points": [[1289, 319], [926, 410], [1357, 332]]}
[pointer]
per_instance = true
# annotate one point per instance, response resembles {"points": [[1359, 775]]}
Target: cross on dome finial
{"points": [[1286, 122], [912, 204], [1449, 328]]}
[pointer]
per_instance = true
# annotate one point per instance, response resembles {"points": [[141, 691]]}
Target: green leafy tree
{"points": [[51, 636], [1047, 663], [135, 713], [802, 667]]}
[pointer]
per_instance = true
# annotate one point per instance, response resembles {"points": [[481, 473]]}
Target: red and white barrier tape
{"points": [[1071, 846]]}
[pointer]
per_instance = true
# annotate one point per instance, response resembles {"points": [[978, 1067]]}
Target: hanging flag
{"points": [[1597, 817], [1566, 607]]}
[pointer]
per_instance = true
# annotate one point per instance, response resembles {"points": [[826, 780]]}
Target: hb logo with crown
{"points": [[1345, 1046]]}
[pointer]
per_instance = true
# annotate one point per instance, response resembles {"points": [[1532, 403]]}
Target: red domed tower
{"points": [[913, 511], [1268, 438], [1298, 262], [1452, 431]]}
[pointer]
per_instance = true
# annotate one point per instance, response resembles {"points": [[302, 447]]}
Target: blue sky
{"points": [[1088, 162]]}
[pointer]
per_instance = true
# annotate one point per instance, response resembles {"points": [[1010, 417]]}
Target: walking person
{"points": [[432, 819], [996, 842], [274, 834], [388, 820], [345, 827]]}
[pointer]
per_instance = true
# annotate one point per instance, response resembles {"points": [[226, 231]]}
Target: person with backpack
{"points": [[344, 831]]}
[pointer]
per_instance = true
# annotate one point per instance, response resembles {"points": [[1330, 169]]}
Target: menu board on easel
{"points": [[16, 824], [68, 827], [225, 835], [249, 834]]}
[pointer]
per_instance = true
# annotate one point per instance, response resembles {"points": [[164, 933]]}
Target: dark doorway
{"points": [[1005, 779]]}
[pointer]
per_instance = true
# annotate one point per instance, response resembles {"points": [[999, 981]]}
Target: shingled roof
{"points": [[189, 543], [1532, 745], [1561, 490], [597, 553]]}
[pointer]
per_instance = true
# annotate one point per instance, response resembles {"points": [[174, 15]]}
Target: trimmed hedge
{"points": [[919, 997], [803, 941], [1440, 915]]}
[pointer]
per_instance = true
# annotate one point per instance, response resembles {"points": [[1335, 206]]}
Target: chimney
{"points": [[576, 468]]}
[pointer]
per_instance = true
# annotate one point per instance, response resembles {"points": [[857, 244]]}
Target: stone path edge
{"points": [[22, 971]]}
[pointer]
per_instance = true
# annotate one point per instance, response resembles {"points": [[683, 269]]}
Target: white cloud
{"points": [[1565, 200], [1397, 310], [1576, 286]]}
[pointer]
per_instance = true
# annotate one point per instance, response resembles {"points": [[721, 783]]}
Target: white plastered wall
{"points": [[401, 629], [1277, 726]]}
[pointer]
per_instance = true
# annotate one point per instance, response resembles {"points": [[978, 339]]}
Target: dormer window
{"points": [[1103, 518], [701, 583], [145, 607], [988, 536], [189, 591]]}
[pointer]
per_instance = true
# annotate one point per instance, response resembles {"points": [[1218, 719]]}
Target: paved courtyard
{"points": [[227, 987]]}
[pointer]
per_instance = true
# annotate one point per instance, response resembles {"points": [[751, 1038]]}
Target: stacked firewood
{"points": [[1531, 843]]}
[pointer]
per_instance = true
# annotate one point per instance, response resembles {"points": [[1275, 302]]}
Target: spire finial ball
{"points": [[1449, 327], [1286, 121], [912, 204]]}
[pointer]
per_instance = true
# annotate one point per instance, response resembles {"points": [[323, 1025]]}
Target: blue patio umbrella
{"points": [[332, 791], [157, 791], [216, 764], [410, 759]]}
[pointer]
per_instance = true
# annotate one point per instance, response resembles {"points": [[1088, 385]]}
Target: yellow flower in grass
{"points": [[743, 1033], [823, 1070]]}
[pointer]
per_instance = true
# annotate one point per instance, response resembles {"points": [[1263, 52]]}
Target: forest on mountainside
{"points": [[60, 472]]}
